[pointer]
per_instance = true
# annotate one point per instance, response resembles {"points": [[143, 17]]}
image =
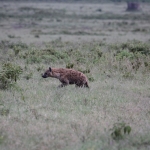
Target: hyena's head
{"points": [[48, 73]]}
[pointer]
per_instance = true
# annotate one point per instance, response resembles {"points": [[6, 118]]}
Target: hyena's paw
{"points": [[62, 85]]}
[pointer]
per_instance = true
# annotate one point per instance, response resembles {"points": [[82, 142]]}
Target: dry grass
{"points": [[37, 115], [78, 22]]}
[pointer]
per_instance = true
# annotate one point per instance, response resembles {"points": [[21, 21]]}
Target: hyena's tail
{"points": [[86, 85]]}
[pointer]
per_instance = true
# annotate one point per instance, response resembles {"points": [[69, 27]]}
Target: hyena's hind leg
{"points": [[78, 84], [86, 85], [82, 85]]}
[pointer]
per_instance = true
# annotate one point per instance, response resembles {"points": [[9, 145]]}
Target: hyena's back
{"points": [[67, 76]]}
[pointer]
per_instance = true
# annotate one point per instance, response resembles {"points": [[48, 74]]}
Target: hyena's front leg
{"points": [[62, 85], [64, 82]]}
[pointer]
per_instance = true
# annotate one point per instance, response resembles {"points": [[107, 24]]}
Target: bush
{"points": [[136, 46], [9, 75], [4, 112], [133, 47], [4, 43], [48, 58], [69, 65], [119, 130], [33, 59], [56, 53], [124, 54], [19, 44]]}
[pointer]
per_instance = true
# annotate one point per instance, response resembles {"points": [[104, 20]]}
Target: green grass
{"points": [[35, 114]]}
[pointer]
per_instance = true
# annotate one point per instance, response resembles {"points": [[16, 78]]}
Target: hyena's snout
{"points": [[44, 76]]}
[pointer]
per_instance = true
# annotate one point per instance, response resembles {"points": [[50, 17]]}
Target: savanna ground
{"points": [[111, 46]]}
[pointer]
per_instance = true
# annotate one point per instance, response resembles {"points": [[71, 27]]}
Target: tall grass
{"points": [[35, 114]]}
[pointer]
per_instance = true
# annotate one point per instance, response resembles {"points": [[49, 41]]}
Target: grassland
{"points": [[111, 46]]}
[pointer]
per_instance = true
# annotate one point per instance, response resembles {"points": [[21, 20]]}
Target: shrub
{"points": [[124, 54], [90, 78], [4, 112], [136, 46], [20, 45], [10, 74], [16, 47], [33, 59], [48, 58], [133, 46], [119, 130], [57, 54], [4, 43], [46, 55], [69, 65]]}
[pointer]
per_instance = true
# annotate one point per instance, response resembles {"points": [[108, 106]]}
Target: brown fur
{"points": [[67, 76]]}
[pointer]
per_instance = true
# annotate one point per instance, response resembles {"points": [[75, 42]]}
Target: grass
{"points": [[114, 114], [46, 117]]}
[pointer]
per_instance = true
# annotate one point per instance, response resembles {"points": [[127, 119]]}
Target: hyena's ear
{"points": [[50, 69]]}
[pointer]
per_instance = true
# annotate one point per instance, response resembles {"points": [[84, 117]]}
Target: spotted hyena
{"points": [[67, 76]]}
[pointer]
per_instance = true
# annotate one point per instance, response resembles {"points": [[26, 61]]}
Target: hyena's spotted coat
{"points": [[67, 76]]}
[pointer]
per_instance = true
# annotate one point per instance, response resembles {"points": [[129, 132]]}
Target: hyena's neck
{"points": [[56, 73]]}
